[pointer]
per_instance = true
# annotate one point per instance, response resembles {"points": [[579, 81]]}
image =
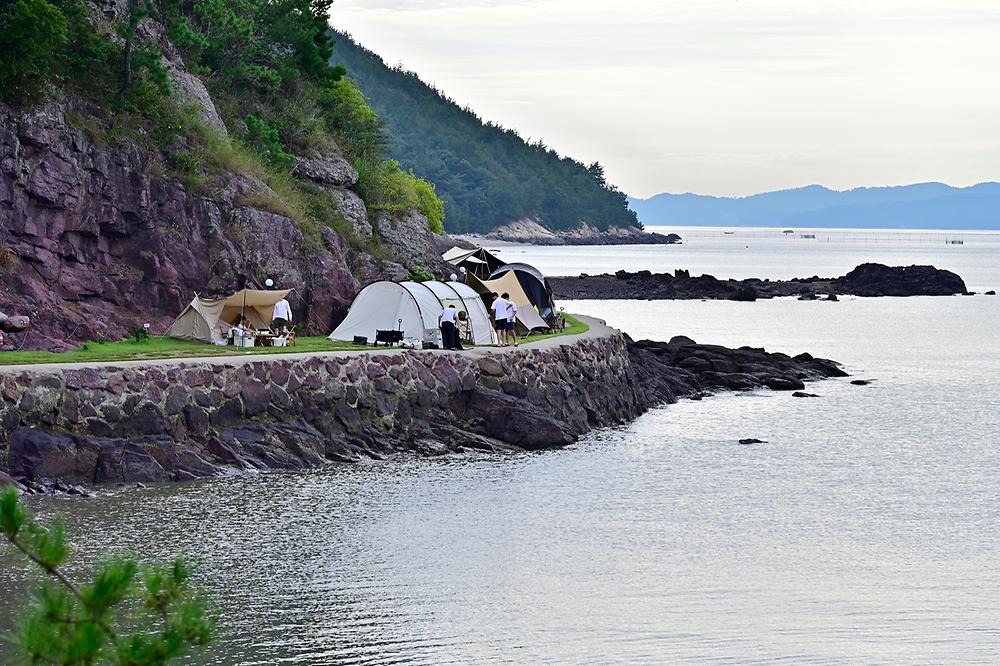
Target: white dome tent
{"points": [[465, 299], [412, 307]]}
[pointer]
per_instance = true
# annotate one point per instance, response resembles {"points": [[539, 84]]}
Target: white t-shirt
{"points": [[500, 309], [511, 311], [449, 314], [282, 310]]}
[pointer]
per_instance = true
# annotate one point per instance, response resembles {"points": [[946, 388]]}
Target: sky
{"points": [[724, 97]]}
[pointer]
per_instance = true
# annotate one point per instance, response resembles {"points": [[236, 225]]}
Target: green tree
{"points": [[129, 614], [32, 33]]}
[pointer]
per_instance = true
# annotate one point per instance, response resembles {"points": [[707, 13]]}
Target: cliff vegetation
{"points": [[152, 149], [265, 65]]}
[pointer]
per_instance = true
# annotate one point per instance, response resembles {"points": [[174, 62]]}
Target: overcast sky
{"points": [[718, 96]]}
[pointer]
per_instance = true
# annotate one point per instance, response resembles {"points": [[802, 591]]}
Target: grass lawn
{"points": [[156, 347], [573, 327]]}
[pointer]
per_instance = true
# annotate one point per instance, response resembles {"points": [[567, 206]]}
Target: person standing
{"points": [[281, 318], [449, 331], [499, 308], [511, 321]]}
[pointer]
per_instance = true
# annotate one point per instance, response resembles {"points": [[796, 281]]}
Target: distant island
{"points": [[918, 206]]}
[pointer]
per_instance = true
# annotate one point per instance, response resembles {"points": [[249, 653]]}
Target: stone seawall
{"points": [[172, 420]]}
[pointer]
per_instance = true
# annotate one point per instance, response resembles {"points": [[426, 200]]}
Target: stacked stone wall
{"points": [[164, 421]]}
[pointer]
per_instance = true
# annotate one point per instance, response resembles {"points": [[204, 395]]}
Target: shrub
{"points": [[139, 333], [418, 274], [266, 140], [429, 204]]}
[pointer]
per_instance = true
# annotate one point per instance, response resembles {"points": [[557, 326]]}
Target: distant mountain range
{"points": [[919, 206]]}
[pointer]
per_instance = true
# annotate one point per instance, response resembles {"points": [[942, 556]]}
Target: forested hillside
{"points": [[487, 175]]}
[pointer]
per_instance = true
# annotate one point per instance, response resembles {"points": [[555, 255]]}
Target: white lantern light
{"points": [[268, 282]]}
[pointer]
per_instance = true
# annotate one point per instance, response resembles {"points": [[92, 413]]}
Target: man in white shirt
{"points": [[447, 321], [499, 307], [282, 316], [512, 322]]}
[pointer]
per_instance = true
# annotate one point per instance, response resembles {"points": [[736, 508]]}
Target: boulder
{"points": [[510, 420], [326, 169]]}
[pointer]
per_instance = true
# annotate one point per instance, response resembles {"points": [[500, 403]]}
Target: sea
{"points": [[864, 530]]}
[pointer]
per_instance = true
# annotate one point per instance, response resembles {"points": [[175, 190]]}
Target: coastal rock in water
{"points": [[881, 280], [803, 394], [861, 382], [865, 280], [751, 440]]}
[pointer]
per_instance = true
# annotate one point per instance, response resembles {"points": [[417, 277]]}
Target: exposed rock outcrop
{"points": [[865, 280], [94, 241]]}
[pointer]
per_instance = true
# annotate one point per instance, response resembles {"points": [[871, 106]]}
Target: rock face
{"points": [[182, 421], [865, 280], [529, 230], [93, 242]]}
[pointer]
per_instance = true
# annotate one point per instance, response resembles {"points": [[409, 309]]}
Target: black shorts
{"points": [[510, 325]]}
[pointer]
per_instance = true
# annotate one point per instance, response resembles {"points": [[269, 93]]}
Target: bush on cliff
{"points": [[128, 614]]}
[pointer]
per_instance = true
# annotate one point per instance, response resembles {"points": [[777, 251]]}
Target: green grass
{"points": [[155, 348], [573, 327], [160, 348]]}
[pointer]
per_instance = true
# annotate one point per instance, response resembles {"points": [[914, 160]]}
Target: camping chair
{"points": [[290, 337]]}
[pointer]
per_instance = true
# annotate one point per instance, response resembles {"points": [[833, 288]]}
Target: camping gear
{"points": [[208, 319], [527, 318], [412, 309], [389, 337], [534, 285]]}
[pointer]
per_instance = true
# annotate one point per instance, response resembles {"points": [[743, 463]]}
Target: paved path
{"points": [[598, 329]]}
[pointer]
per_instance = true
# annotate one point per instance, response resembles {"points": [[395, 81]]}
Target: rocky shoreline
{"points": [[531, 232], [178, 421], [866, 280]]}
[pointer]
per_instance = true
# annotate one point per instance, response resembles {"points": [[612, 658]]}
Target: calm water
{"points": [[864, 531], [768, 253]]}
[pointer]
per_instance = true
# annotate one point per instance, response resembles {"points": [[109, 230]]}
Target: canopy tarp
{"points": [[412, 307], [208, 319], [507, 282], [478, 261]]}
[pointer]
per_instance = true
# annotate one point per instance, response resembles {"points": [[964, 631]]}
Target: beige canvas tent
{"points": [[508, 283], [209, 319]]}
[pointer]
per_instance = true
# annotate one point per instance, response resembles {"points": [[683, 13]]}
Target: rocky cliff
{"points": [[100, 232], [93, 240]]}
